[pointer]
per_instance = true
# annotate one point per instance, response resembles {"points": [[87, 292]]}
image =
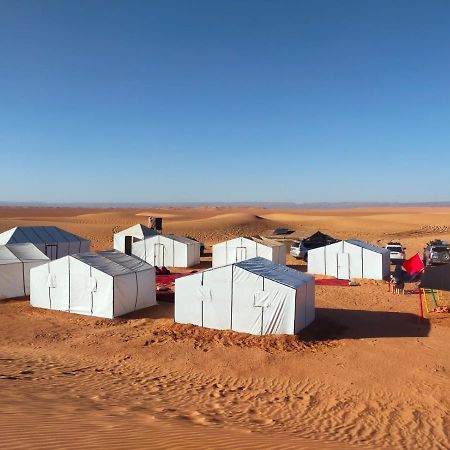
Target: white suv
{"points": [[397, 252]]}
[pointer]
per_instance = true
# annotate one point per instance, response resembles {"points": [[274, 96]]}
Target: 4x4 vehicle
{"points": [[299, 249], [436, 252], [397, 252]]}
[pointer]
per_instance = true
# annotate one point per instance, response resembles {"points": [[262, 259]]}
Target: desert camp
{"points": [[225, 225], [247, 320]]}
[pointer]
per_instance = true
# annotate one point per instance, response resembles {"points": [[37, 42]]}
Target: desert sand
{"points": [[369, 373]]}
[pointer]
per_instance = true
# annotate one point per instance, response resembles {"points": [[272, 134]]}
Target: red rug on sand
{"points": [[167, 281], [331, 282]]}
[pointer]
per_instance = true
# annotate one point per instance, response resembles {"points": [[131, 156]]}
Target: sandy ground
{"points": [[367, 374]]}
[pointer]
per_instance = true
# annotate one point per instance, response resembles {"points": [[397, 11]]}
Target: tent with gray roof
{"points": [[16, 261], [168, 250], [254, 296], [350, 259], [104, 284], [242, 248], [52, 241], [123, 240]]}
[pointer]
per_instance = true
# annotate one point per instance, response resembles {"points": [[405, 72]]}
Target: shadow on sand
{"points": [[360, 324], [163, 310]]}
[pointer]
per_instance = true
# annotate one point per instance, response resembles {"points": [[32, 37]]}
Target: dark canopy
{"points": [[436, 277], [318, 236]]}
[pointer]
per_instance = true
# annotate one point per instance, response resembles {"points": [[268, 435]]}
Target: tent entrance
{"points": [[159, 255], [51, 251], [128, 244], [241, 253], [343, 266]]}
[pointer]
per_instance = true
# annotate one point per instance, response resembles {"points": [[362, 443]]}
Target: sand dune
{"points": [[367, 374]]}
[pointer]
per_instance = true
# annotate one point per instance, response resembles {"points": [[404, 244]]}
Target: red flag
{"points": [[414, 264]]}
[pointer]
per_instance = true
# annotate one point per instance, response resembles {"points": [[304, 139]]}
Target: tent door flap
{"points": [[128, 244], [343, 266]]}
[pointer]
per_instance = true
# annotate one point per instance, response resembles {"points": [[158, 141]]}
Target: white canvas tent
{"points": [[104, 284], [254, 296], [242, 248], [350, 259], [168, 250], [16, 260], [124, 239], [52, 241]]}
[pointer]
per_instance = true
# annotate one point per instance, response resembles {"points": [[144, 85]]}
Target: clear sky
{"points": [[233, 100]]}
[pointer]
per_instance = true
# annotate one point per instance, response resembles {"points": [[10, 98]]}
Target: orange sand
{"points": [[367, 374]]}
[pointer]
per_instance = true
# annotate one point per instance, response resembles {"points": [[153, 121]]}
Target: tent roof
{"points": [[373, 248], [38, 235], [318, 236], [436, 277], [266, 241], [138, 230], [275, 272], [12, 253], [113, 262], [182, 239]]}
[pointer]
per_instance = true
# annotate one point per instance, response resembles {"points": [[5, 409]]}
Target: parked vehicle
{"points": [[436, 252], [299, 249], [397, 252]]}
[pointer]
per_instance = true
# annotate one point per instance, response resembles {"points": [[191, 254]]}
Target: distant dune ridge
{"points": [[368, 374]]}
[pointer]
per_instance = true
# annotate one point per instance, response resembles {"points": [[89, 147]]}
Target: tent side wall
{"points": [[188, 299], [245, 316], [27, 266], [39, 289], [180, 253], [49, 285], [278, 317], [100, 293], [310, 302], [193, 253], [146, 288], [219, 254], [11, 280], [317, 261], [376, 265], [133, 291], [125, 294], [217, 297], [357, 263], [119, 242], [80, 293]]}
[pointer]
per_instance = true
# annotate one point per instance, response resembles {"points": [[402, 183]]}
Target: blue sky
{"points": [[236, 100]]}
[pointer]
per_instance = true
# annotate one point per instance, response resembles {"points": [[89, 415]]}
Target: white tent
{"points": [[52, 241], [242, 248], [124, 239], [16, 260], [104, 284], [254, 296], [350, 259], [168, 250]]}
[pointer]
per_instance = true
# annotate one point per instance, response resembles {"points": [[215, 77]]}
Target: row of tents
{"points": [[248, 289]]}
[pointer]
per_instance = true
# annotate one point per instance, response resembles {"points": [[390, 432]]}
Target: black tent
{"points": [[436, 277], [319, 237]]}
